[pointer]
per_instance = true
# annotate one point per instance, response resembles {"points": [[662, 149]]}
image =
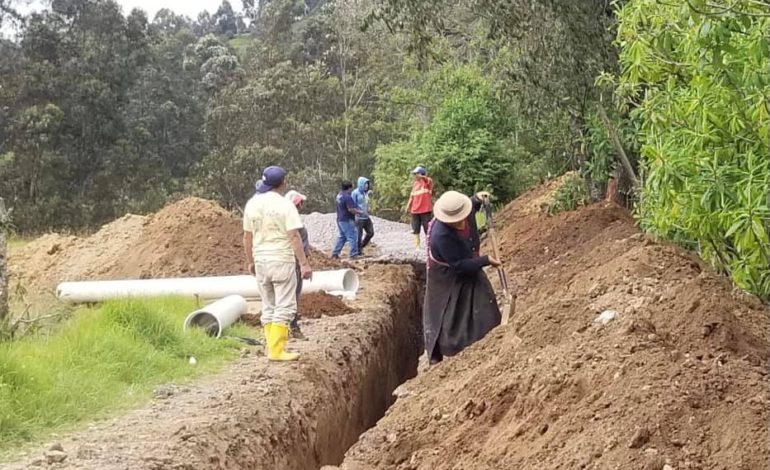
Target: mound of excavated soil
{"points": [[41, 264], [317, 304], [192, 237], [311, 305], [679, 378]]}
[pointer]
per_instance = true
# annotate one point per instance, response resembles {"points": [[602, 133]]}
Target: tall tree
{"points": [[225, 19]]}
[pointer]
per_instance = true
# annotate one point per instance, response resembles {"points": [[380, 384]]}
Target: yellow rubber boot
{"points": [[279, 336], [417, 242]]}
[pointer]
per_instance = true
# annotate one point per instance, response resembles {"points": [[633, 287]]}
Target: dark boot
{"points": [[296, 333]]}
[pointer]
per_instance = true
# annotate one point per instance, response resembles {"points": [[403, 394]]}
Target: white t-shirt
{"points": [[269, 217]]}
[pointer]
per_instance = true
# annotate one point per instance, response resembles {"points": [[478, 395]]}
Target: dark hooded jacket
{"points": [[460, 306]]}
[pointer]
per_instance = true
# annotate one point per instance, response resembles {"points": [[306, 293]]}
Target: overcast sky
{"points": [[190, 8]]}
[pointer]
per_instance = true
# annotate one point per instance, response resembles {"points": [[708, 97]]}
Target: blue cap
{"points": [[272, 177], [420, 170]]}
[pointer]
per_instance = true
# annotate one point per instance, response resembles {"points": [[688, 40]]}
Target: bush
{"points": [[696, 80], [568, 196], [463, 145]]}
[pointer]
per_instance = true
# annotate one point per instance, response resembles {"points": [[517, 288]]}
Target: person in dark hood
{"points": [[363, 221], [460, 307]]}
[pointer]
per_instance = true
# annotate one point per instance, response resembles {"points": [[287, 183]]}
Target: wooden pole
{"points": [[618, 146]]}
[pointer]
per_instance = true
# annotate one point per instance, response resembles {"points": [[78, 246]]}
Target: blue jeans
{"points": [[348, 232]]}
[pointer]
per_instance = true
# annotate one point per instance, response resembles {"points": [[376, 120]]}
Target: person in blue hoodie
{"points": [[363, 221]]}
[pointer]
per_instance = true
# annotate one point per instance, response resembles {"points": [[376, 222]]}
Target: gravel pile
{"points": [[392, 240]]}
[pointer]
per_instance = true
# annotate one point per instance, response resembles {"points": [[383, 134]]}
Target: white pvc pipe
{"points": [[340, 280], [203, 287], [215, 317]]}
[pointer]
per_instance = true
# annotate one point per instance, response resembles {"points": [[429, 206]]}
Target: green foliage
{"points": [[569, 196], [697, 76], [602, 159], [103, 359], [463, 145], [394, 163], [100, 115]]}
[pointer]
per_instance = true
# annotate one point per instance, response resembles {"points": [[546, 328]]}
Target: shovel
{"points": [[508, 307]]}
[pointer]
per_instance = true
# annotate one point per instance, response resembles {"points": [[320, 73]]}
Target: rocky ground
{"points": [[392, 240]]}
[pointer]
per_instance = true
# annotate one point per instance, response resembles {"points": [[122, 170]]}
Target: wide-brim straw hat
{"points": [[452, 207]]}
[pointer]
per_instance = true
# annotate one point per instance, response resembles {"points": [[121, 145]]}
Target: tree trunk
{"points": [[3, 262], [618, 147]]}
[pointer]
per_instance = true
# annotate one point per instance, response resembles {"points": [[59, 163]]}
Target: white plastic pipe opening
{"points": [[203, 287], [216, 317]]}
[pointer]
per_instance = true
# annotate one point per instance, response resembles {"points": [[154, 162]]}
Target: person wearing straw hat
{"points": [[298, 199], [272, 243], [460, 306]]}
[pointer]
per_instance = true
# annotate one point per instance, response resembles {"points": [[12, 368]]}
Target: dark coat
{"points": [[460, 306]]}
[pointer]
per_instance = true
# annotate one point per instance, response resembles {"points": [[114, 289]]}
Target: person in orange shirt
{"points": [[420, 204]]}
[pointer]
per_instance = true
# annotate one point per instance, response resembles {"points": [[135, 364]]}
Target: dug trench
{"points": [[261, 415]]}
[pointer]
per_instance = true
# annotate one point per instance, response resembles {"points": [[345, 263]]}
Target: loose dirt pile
{"points": [[677, 380], [318, 304], [192, 237], [311, 305]]}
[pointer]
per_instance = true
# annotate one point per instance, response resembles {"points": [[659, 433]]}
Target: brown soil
{"points": [[318, 304], [311, 306], [679, 378], [320, 261], [192, 237]]}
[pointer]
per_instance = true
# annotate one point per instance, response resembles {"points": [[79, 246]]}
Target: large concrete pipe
{"points": [[344, 280], [217, 316]]}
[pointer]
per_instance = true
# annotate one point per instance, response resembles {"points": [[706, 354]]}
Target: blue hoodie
{"points": [[361, 198]]}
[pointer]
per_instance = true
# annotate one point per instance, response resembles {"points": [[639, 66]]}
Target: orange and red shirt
{"points": [[422, 193]]}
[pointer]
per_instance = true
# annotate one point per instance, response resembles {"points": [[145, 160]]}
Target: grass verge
{"points": [[100, 360]]}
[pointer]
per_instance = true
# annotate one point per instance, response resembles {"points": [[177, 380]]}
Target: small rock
{"points": [[392, 438], [667, 467], [639, 439], [606, 316], [38, 462], [163, 392], [436, 414], [55, 456], [57, 446], [401, 391], [542, 429], [651, 451]]}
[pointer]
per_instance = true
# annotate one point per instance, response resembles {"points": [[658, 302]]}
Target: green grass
{"points": [[240, 43], [101, 360], [17, 243]]}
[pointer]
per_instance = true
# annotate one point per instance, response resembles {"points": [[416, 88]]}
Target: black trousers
{"points": [[421, 221], [364, 225]]}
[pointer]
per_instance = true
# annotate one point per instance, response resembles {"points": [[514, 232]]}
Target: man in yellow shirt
{"points": [[271, 239]]}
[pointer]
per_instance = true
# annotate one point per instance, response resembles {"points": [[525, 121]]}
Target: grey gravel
{"points": [[392, 240]]}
